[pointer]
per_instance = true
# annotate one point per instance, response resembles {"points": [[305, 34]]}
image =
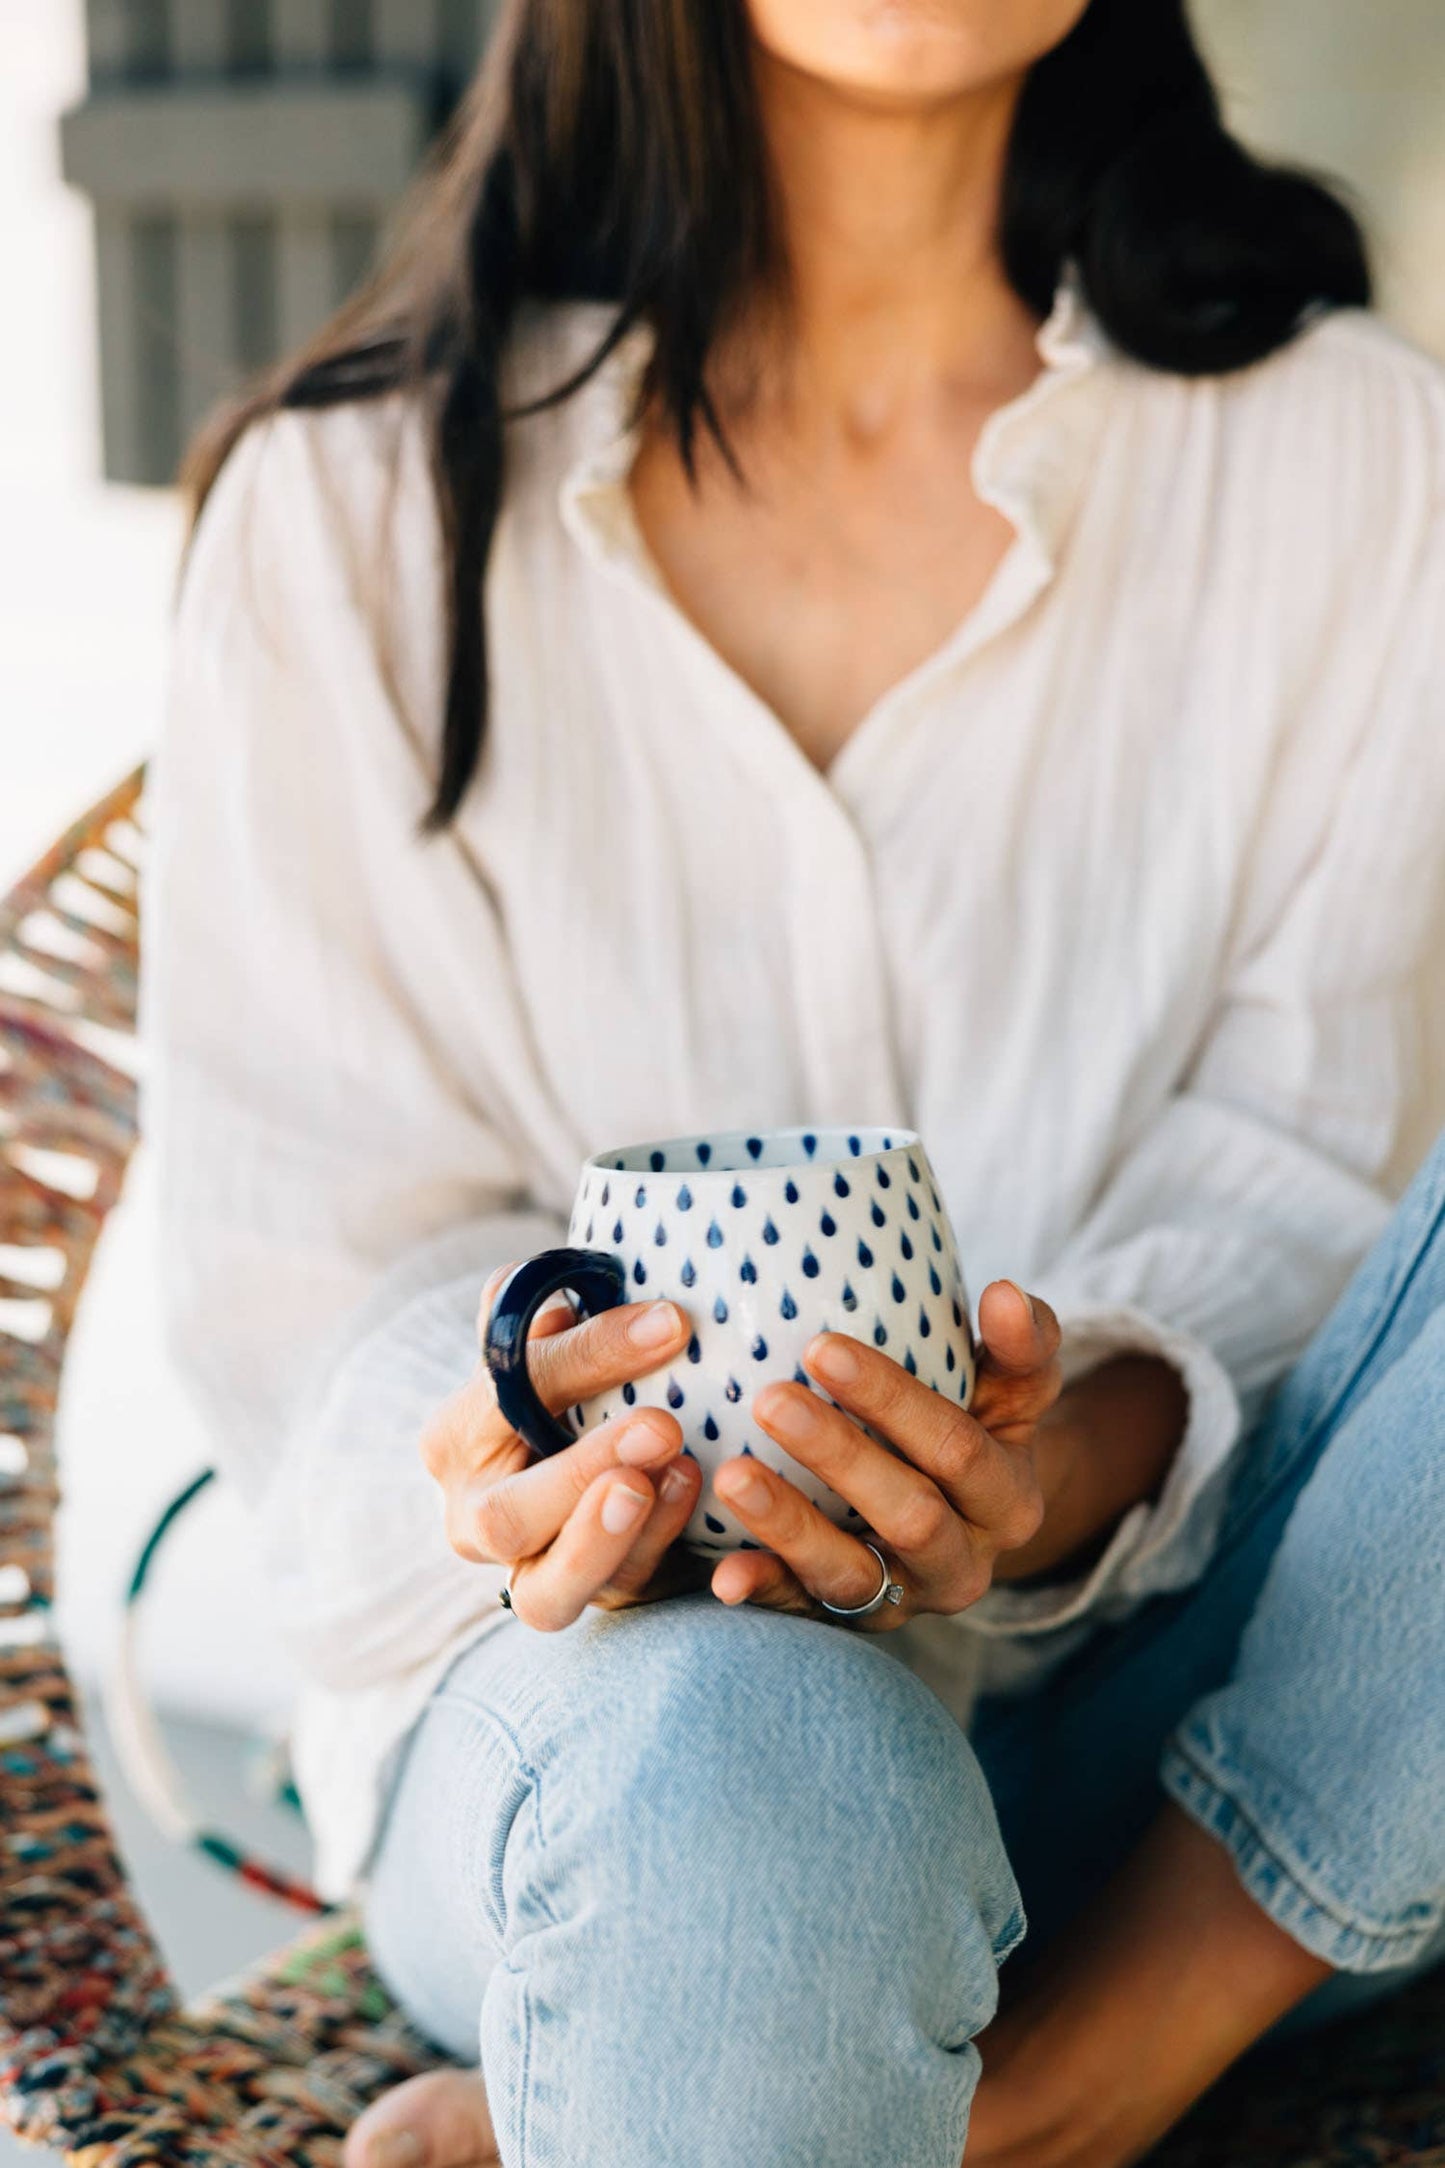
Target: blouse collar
{"points": [[1030, 461]]}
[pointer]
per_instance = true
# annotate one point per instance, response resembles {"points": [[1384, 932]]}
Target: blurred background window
{"points": [[242, 157]]}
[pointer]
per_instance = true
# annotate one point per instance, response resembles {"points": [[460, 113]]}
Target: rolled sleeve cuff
{"points": [[1156, 1547]]}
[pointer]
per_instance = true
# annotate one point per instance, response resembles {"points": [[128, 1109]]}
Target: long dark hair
{"points": [[612, 150]]}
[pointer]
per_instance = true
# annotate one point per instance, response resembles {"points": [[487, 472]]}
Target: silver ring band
{"points": [[889, 1591]]}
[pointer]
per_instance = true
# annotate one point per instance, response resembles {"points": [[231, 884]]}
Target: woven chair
{"points": [[98, 2060]]}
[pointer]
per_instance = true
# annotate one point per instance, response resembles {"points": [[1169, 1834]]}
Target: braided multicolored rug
{"points": [[97, 2058]]}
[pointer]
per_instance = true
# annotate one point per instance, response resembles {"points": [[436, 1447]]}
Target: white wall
{"points": [[1355, 88], [85, 580], [77, 684]]}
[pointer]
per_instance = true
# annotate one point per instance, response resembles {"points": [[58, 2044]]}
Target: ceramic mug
{"points": [[763, 1240]]}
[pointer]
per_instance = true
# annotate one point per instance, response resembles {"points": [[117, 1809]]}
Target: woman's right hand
{"points": [[595, 1522]]}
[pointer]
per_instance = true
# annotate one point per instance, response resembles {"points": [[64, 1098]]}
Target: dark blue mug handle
{"points": [[596, 1278]]}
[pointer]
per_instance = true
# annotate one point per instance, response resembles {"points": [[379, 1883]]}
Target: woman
{"points": [[862, 563]]}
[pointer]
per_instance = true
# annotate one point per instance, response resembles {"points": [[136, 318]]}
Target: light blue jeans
{"points": [[715, 1887]]}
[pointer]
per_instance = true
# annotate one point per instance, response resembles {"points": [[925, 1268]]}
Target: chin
{"points": [[911, 50]]}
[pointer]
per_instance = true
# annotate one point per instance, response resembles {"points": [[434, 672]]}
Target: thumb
{"points": [[1019, 1331]]}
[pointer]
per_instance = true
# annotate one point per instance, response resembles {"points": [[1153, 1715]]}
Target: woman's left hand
{"points": [[964, 1491]]}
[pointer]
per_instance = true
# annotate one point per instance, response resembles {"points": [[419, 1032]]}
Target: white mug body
{"points": [[765, 1239]]}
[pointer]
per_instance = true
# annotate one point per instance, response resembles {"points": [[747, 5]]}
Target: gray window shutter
{"points": [[242, 158]]}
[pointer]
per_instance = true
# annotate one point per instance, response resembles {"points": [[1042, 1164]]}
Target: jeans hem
{"points": [[1345, 1945]]}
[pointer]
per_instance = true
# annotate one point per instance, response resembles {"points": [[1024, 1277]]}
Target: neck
{"points": [[894, 289]]}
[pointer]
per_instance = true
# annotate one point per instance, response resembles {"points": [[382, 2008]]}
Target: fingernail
{"points": [[675, 1482], [622, 1508], [1025, 1298], [835, 1358], [789, 1415], [643, 1436], [749, 1492], [394, 2149], [655, 1326]]}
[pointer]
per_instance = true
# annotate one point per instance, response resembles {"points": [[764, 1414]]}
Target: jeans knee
{"points": [[776, 1897], [726, 1752]]}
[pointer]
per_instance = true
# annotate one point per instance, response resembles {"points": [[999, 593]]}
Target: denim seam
{"points": [[479, 1713], [1278, 1886], [524, 2096], [1010, 1936]]}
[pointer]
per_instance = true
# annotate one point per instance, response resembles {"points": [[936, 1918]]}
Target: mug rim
{"points": [[638, 1157]]}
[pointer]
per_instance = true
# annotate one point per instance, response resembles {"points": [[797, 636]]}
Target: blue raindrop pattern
{"points": [[825, 1231]]}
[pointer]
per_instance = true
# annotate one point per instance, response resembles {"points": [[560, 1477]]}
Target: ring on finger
{"points": [[888, 1591]]}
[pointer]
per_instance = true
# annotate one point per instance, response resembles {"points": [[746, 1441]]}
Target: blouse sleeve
{"points": [[1232, 1223], [332, 1184]]}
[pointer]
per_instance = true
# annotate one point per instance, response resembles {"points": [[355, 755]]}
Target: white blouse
{"points": [[1123, 897]]}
